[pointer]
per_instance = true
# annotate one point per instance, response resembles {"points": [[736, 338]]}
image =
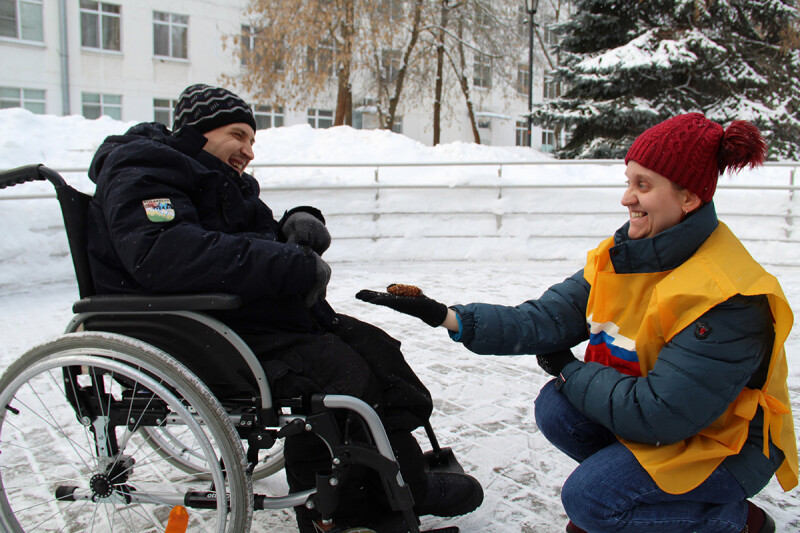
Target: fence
{"points": [[498, 210]]}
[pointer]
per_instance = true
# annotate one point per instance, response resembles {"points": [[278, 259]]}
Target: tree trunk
{"points": [[401, 74], [439, 87], [462, 76], [344, 96]]}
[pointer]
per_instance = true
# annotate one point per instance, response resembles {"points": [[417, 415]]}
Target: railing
{"points": [[543, 210]]}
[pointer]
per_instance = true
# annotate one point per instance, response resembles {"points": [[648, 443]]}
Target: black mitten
{"points": [[429, 311], [554, 362], [320, 288]]}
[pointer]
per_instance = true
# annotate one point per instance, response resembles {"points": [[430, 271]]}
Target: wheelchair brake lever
{"points": [[298, 425]]}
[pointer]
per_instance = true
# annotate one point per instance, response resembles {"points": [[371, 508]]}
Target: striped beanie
{"points": [[207, 108], [692, 151]]}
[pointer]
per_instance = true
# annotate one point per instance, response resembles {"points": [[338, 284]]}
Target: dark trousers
{"points": [[355, 359]]}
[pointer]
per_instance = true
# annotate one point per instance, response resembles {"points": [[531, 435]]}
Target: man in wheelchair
{"points": [[174, 212]]}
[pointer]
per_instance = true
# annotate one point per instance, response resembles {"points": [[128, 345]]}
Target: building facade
{"points": [[130, 59]]}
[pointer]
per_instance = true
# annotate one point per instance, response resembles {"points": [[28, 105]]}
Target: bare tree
{"points": [[291, 52], [298, 51], [384, 51], [481, 50]]}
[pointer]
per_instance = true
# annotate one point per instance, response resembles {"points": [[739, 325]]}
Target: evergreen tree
{"points": [[629, 64]]}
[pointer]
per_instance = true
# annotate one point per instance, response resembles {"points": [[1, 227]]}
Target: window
{"points": [[484, 20], [548, 140], [249, 36], [390, 64], [523, 137], [522, 22], [482, 71], [21, 19], [30, 99], [523, 79], [550, 36], [170, 35], [552, 89], [250, 46], [267, 117], [392, 9], [163, 109], [100, 23], [320, 118], [397, 124], [320, 59], [96, 105]]}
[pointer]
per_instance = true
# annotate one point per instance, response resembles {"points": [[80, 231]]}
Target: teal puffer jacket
{"points": [[695, 377]]}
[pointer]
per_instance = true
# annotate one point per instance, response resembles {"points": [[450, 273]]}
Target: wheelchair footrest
{"points": [[442, 460]]}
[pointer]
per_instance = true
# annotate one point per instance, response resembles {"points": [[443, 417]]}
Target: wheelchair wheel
{"points": [[171, 445], [72, 457]]}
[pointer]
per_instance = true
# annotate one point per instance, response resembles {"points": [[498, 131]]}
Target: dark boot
{"points": [[572, 528], [758, 521], [450, 494]]}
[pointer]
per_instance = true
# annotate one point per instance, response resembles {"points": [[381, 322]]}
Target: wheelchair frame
{"points": [[114, 367]]}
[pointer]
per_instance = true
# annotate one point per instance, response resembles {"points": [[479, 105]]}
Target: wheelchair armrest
{"points": [[137, 303]]}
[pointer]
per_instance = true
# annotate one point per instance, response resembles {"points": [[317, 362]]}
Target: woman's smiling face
{"points": [[654, 202]]}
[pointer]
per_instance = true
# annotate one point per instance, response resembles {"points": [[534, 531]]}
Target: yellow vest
{"points": [[647, 310]]}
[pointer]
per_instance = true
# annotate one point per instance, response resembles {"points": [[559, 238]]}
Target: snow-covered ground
{"points": [[484, 405]]}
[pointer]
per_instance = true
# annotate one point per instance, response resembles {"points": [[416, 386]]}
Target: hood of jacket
{"points": [[188, 141]]}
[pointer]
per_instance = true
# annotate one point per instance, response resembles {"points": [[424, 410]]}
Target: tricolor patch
{"points": [[609, 347], [159, 209]]}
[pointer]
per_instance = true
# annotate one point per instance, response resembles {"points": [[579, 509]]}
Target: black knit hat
{"points": [[206, 108]]}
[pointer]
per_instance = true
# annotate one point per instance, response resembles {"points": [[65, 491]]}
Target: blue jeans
{"points": [[610, 491]]}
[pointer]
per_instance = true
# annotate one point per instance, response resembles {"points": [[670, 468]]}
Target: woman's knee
{"points": [[583, 505], [548, 411]]}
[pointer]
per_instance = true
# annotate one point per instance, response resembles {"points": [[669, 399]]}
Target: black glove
{"points": [[306, 229], [554, 362], [429, 311], [319, 290]]}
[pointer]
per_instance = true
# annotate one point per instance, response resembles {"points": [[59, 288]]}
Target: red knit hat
{"points": [[693, 152]]}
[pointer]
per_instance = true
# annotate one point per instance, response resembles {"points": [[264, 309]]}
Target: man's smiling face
{"points": [[232, 144]]}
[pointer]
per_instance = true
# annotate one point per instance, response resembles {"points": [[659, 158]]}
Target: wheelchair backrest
{"points": [[74, 205]]}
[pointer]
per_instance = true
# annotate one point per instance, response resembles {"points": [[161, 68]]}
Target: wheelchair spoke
{"points": [[55, 424], [74, 399]]}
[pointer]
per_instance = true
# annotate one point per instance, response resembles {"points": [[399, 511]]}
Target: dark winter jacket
{"points": [[715, 372], [169, 218]]}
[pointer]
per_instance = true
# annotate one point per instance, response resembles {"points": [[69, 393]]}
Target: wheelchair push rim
{"points": [[170, 444], [68, 462]]}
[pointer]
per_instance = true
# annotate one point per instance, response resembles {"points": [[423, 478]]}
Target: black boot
{"points": [[450, 494], [758, 521]]}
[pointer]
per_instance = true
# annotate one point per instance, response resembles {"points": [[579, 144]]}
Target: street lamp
{"points": [[530, 6]]}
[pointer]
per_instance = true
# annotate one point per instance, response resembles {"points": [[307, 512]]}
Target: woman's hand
{"points": [[554, 362], [429, 311]]}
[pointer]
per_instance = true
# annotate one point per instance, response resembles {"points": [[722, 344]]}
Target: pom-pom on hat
{"points": [[693, 152], [206, 108]]}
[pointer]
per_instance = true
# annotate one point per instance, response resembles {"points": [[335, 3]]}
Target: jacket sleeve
{"points": [[555, 321], [180, 255], [696, 376]]}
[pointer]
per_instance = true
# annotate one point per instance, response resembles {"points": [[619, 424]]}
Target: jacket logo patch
{"points": [[159, 209], [701, 330]]}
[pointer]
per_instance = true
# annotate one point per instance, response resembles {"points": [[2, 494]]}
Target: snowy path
{"points": [[484, 406]]}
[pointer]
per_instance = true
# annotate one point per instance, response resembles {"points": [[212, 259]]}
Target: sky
{"points": [[483, 405]]}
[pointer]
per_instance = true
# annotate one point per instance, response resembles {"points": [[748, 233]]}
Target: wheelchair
{"points": [[147, 402]]}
